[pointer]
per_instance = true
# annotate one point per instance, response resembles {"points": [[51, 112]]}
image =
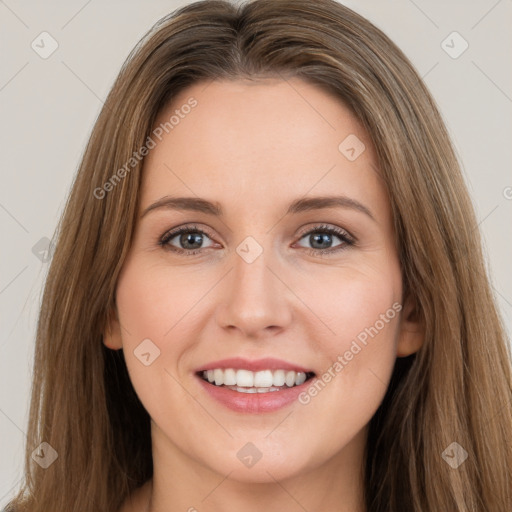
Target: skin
{"points": [[254, 147]]}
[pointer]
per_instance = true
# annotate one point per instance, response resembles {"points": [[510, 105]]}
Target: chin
{"points": [[261, 462], [262, 472]]}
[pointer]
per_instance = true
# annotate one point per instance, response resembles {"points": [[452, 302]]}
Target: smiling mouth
{"points": [[246, 381]]}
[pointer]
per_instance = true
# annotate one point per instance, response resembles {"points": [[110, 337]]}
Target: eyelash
{"points": [[347, 239]]}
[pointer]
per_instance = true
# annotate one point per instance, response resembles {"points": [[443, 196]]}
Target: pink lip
{"points": [[239, 363], [253, 402]]}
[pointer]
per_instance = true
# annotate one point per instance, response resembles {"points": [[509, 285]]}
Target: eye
{"points": [[321, 238], [189, 240]]}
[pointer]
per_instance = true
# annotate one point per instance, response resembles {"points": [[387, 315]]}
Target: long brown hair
{"points": [[457, 388]]}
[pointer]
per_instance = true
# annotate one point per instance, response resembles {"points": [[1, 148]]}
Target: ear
{"points": [[112, 333], [412, 330]]}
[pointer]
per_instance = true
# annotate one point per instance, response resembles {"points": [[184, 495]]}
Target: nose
{"points": [[255, 303]]}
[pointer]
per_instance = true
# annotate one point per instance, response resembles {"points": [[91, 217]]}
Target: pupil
{"points": [[324, 237]]}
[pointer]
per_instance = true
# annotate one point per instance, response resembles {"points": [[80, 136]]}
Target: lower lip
{"points": [[254, 402]]}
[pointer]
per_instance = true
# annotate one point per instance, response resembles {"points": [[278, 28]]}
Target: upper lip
{"points": [[267, 363]]}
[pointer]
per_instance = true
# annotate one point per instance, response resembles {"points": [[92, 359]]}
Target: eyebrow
{"points": [[197, 204]]}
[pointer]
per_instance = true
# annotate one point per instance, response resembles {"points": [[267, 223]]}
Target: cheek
{"points": [[348, 302], [156, 307], [359, 350], [365, 309], [155, 301], [159, 304]]}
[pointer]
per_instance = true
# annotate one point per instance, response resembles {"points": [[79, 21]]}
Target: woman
{"points": [[200, 348]]}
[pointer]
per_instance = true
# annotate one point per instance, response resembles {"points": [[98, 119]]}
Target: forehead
{"points": [[263, 139]]}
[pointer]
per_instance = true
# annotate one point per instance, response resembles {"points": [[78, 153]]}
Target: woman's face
{"points": [[269, 274]]}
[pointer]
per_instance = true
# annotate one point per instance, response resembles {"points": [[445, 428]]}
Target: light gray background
{"points": [[48, 107]]}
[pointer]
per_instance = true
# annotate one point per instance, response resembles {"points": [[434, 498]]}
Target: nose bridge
{"points": [[254, 299], [250, 269]]}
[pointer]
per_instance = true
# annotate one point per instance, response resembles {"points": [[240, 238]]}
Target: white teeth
{"points": [[290, 379], [229, 377], [300, 378], [218, 374], [278, 378], [253, 390], [244, 378], [261, 381]]}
